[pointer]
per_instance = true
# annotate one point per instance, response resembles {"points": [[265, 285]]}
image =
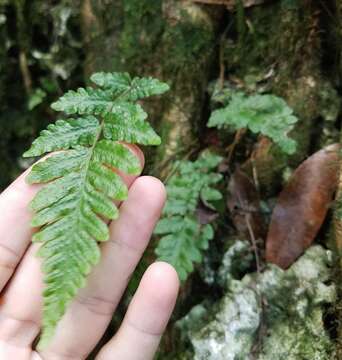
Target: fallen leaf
{"points": [[205, 214], [302, 206], [244, 205]]}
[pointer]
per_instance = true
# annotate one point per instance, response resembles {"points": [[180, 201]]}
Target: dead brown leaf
{"points": [[244, 205], [205, 215], [302, 206]]}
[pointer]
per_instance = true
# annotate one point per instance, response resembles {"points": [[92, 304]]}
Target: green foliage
{"points": [[265, 114], [183, 237], [36, 98], [73, 206], [47, 35]]}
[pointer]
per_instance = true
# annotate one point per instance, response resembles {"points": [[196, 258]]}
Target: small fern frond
{"points": [[265, 114], [77, 200], [183, 237]]}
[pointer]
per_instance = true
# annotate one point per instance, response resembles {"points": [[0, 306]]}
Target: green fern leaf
{"points": [[130, 89], [183, 238], [100, 101], [127, 123], [64, 134], [265, 114], [116, 82], [85, 101], [181, 245], [77, 200]]}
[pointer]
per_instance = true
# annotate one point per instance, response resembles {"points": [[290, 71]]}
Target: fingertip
{"points": [[151, 190], [163, 277], [154, 301]]}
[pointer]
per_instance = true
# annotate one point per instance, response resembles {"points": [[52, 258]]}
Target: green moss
{"points": [[252, 52], [187, 44], [186, 50], [142, 26]]}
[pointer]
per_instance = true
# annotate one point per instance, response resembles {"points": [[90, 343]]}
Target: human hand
{"points": [[91, 311]]}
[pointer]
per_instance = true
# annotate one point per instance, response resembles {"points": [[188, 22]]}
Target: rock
{"points": [[236, 260], [273, 315]]}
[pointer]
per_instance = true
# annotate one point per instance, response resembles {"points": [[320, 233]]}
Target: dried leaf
{"points": [[244, 205], [302, 206], [337, 220], [205, 215]]}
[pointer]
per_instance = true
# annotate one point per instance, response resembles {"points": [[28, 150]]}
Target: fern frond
{"points": [[265, 114], [183, 237], [77, 200]]}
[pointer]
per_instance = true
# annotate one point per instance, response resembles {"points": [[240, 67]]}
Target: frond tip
{"points": [[74, 206]]}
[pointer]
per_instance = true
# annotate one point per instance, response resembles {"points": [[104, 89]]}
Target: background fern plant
{"points": [[266, 114], [73, 206], [183, 237]]}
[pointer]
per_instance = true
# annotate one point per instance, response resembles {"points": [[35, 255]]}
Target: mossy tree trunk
{"points": [[173, 40]]}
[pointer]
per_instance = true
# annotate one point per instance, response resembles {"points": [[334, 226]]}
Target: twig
{"points": [[262, 328], [25, 72], [254, 243], [221, 58], [238, 135]]}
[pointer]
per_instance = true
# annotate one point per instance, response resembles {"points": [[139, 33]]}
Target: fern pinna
{"points": [[183, 237], [73, 206]]}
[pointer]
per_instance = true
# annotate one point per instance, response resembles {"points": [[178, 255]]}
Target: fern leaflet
{"points": [[80, 184], [265, 114], [183, 237]]}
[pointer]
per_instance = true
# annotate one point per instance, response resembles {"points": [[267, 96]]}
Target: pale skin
{"points": [[89, 314]]}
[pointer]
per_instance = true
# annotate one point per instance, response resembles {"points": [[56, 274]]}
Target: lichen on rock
{"points": [[272, 315]]}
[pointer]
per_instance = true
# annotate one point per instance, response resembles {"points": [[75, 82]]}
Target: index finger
{"points": [[15, 230]]}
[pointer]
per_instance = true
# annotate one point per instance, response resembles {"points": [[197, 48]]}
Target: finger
{"points": [[15, 228], [20, 309], [89, 315], [147, 316]]}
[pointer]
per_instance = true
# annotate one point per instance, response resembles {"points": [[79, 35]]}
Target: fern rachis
{"points": [[80, 185]]}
